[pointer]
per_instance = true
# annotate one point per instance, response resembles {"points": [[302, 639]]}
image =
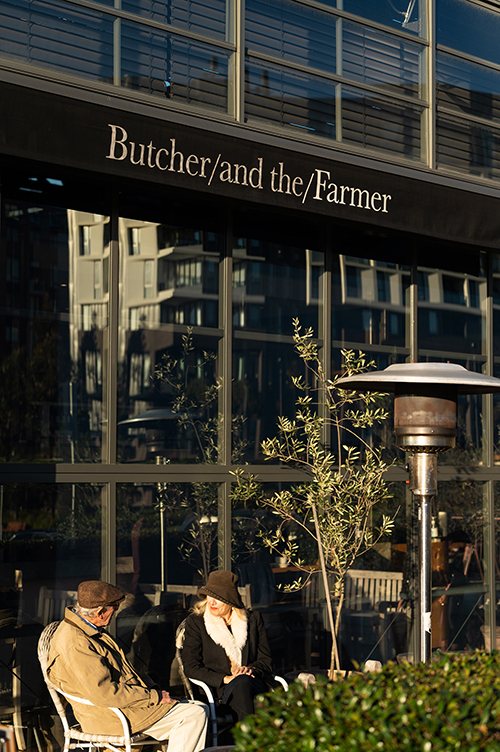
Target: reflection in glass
{"points": [[154, 62], [369, 303], [403, 15], [290, 99], [55, 292], [58, 36], [375, 122], [292, 31], [50, 540], [468, 27], [468, 88], [273, 283], [458, 583], [371, 57], [451, 314], [166, 544], [198, 16], [473, 148], [168, 401]]}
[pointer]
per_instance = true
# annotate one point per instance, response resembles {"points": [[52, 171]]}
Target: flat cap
{"points": [[94, 593]]}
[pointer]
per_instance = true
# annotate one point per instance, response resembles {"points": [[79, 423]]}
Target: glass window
{"points": [[58, 36], [298, 101], [154, 62], [50, 540], [281, 281], [406, 16], [468, 27], [376, 122], [371, 57], [467, 88], [168, 398], [166, 544], [198, 16], [472, 148], [458, 585], [54, 322], [292, 31]]}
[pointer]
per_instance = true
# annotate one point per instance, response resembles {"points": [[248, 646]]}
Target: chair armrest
{"points": [[281, 681], [205, 688], [117, 711]]}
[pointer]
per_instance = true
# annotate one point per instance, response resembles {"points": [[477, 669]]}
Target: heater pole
{"points": [[423, 483]]}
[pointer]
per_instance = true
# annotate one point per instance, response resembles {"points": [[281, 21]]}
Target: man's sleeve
{"points": [[94, 678]]}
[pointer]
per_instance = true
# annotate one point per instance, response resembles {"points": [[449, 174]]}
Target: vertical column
{"points": [[225, 355], [117, 47], [108, 542], [429, 139], [488, 461], [235, 33]]}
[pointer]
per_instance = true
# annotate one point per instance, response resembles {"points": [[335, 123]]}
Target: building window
{"points": [[148, 279], [454, 290], [384, 287], [85, 248], [97, 280], [140, 367], [134, 241], [353, 282], [239, 274], [423, 286]]}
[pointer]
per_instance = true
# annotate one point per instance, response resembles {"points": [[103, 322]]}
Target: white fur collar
{"points": [[232, 642]]}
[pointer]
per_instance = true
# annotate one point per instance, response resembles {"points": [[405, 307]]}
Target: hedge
{"points": [[453, 703]]}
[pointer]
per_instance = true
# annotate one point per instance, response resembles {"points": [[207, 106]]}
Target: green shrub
{"points": [[450, 704]]}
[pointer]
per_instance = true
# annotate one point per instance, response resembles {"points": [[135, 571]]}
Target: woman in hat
{"points": [[226, 645]]}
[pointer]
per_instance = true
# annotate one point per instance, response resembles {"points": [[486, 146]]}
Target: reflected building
{"points": [[171, 201]]}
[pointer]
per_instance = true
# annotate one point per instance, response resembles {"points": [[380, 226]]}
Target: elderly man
{"points": [[86, 662]]}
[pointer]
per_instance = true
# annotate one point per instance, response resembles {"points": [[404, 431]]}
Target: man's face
{"points": [[104, 616]]}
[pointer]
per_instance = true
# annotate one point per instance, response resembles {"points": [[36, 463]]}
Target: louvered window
{"points": [[404, 15], [172, 67], [469, 147], [375, 122], [383, 60], [196, 16], [58, 36], [293, 32], [294, 100], [468, 88]]}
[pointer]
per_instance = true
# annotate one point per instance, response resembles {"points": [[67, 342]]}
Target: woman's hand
{"points": [[237, 671]]}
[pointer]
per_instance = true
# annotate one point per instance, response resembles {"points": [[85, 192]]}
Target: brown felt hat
{"points": [[222, 585], [94, 593]]}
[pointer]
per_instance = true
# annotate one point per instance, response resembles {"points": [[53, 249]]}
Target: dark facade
{"points": [[179, 181]]}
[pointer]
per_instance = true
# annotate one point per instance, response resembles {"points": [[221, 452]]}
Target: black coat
{"points": [[208, 662]]}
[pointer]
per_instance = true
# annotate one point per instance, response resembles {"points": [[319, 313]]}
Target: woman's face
{"points": [[218, 608]]}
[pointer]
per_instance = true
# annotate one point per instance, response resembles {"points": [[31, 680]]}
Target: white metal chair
{"points": [[74, 737], [218, 719]]}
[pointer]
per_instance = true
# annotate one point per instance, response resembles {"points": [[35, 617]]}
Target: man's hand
{"points": [[165, 697]]}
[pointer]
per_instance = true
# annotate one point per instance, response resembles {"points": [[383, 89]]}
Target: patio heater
{"points": [[425, 424]]}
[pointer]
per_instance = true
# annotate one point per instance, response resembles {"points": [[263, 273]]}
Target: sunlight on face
{"points": [[218, 608]]}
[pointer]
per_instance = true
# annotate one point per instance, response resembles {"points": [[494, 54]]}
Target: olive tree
{"points": [[333, 505]]}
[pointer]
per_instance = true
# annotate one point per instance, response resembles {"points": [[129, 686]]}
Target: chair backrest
{"points": [[154, 592], [179, 642], [367, 588], [52, 603], [43, 657]]}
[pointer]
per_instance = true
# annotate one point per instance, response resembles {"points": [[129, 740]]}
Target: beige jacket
{"points": [[87, 663]]}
